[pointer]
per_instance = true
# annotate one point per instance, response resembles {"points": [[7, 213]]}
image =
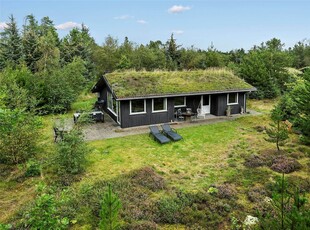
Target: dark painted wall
{"points": [[218, 108], [147, 118], [221, 104]]}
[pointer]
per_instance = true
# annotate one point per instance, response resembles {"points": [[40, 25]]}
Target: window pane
{"points": [[232, 98], [206, 99], [179, 101], [159, 104], [137, 106]]}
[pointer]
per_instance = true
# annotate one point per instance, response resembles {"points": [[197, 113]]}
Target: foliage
{"points": [[14, 85], [18, 136], [57, 89], [70, 155], [277, 132], [295, 105], [33, 168], [109, 213], [264, 68], [10, 45], [5, 226], [289, 211], [43, 214]]}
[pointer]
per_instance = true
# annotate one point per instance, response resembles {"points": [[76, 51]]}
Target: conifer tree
{"points": [[10, 45], [30, 41], [109, 211], [277, 132]]}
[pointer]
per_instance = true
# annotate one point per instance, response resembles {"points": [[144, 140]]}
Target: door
{"points": [[205, 104]]}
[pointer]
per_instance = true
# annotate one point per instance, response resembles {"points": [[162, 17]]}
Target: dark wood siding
{"points": [[147, 118], [218, 108], [221, 104]]}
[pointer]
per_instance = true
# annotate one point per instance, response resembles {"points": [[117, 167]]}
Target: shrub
{"points": [[283, 164], [257, 194], [226, 191], [168, 211], [33, 169], [254, 161], [70, 156], [141, 225], [43, 214], [18, 136], [148, 178]]}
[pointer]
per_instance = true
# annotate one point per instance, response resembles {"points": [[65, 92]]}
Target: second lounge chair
{"points": [[171, 133], [158, 136]]}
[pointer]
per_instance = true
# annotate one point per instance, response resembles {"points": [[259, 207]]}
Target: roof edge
{"points": [[187, 94]]}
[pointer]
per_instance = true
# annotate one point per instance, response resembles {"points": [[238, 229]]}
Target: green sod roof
{"points": [[133, 84]]}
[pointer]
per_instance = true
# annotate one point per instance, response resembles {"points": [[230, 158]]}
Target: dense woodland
{"points": [[43, 74]]}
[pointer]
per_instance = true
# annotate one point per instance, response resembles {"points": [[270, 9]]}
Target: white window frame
{"points": [[159, 111], [134, 113], [234, 103], [184, 105], [108, 103]]}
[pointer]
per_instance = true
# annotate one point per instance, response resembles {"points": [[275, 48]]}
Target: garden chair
{"points": [[158, 136], [171, 133]]}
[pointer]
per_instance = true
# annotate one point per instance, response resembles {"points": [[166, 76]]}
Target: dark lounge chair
{"points": [[158, 136], [171, 133]]}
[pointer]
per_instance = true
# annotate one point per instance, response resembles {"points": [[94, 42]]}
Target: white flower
{"points": [[250, 220]]}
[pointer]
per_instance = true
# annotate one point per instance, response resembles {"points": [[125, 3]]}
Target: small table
{"points": [[188, 116]]}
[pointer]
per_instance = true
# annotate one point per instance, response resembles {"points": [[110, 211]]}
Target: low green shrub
{"points": [[33, 168]]}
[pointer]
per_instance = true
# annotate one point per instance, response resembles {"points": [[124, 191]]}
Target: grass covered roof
{"points": [[132, 84]]}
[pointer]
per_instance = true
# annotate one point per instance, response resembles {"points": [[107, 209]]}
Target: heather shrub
{"points": [[284, 164]]}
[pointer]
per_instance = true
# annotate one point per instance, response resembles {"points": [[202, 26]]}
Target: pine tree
{"points": [[30, 41], [277, 132], [109, 211], [10, 45]]}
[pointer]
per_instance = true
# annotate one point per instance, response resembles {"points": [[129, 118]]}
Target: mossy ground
{"points": [[208, 155]]}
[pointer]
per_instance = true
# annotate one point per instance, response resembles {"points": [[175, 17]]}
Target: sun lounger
{"points": [[171, 133], [158, 136]]}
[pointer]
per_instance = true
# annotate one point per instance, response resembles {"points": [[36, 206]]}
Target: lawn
{"points": [[152, 179]]}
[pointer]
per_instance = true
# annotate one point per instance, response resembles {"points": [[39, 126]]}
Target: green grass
{"points": [[208, 154], [140, 83]]}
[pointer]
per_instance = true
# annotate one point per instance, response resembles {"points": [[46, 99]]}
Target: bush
{"points": [[148, 178], [226, 191], [43, 214], [168, 211], [18, 136], [254, 161], [33, 169], [70, 156], [283, 164], [141, 225]]}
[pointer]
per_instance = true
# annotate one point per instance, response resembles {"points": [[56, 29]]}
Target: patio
{"points": [[110, 129]]}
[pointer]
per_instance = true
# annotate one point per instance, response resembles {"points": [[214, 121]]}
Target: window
{"points": [[179, 102], [159, 105], [137, 106], [232, 98], [111, 103]]}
